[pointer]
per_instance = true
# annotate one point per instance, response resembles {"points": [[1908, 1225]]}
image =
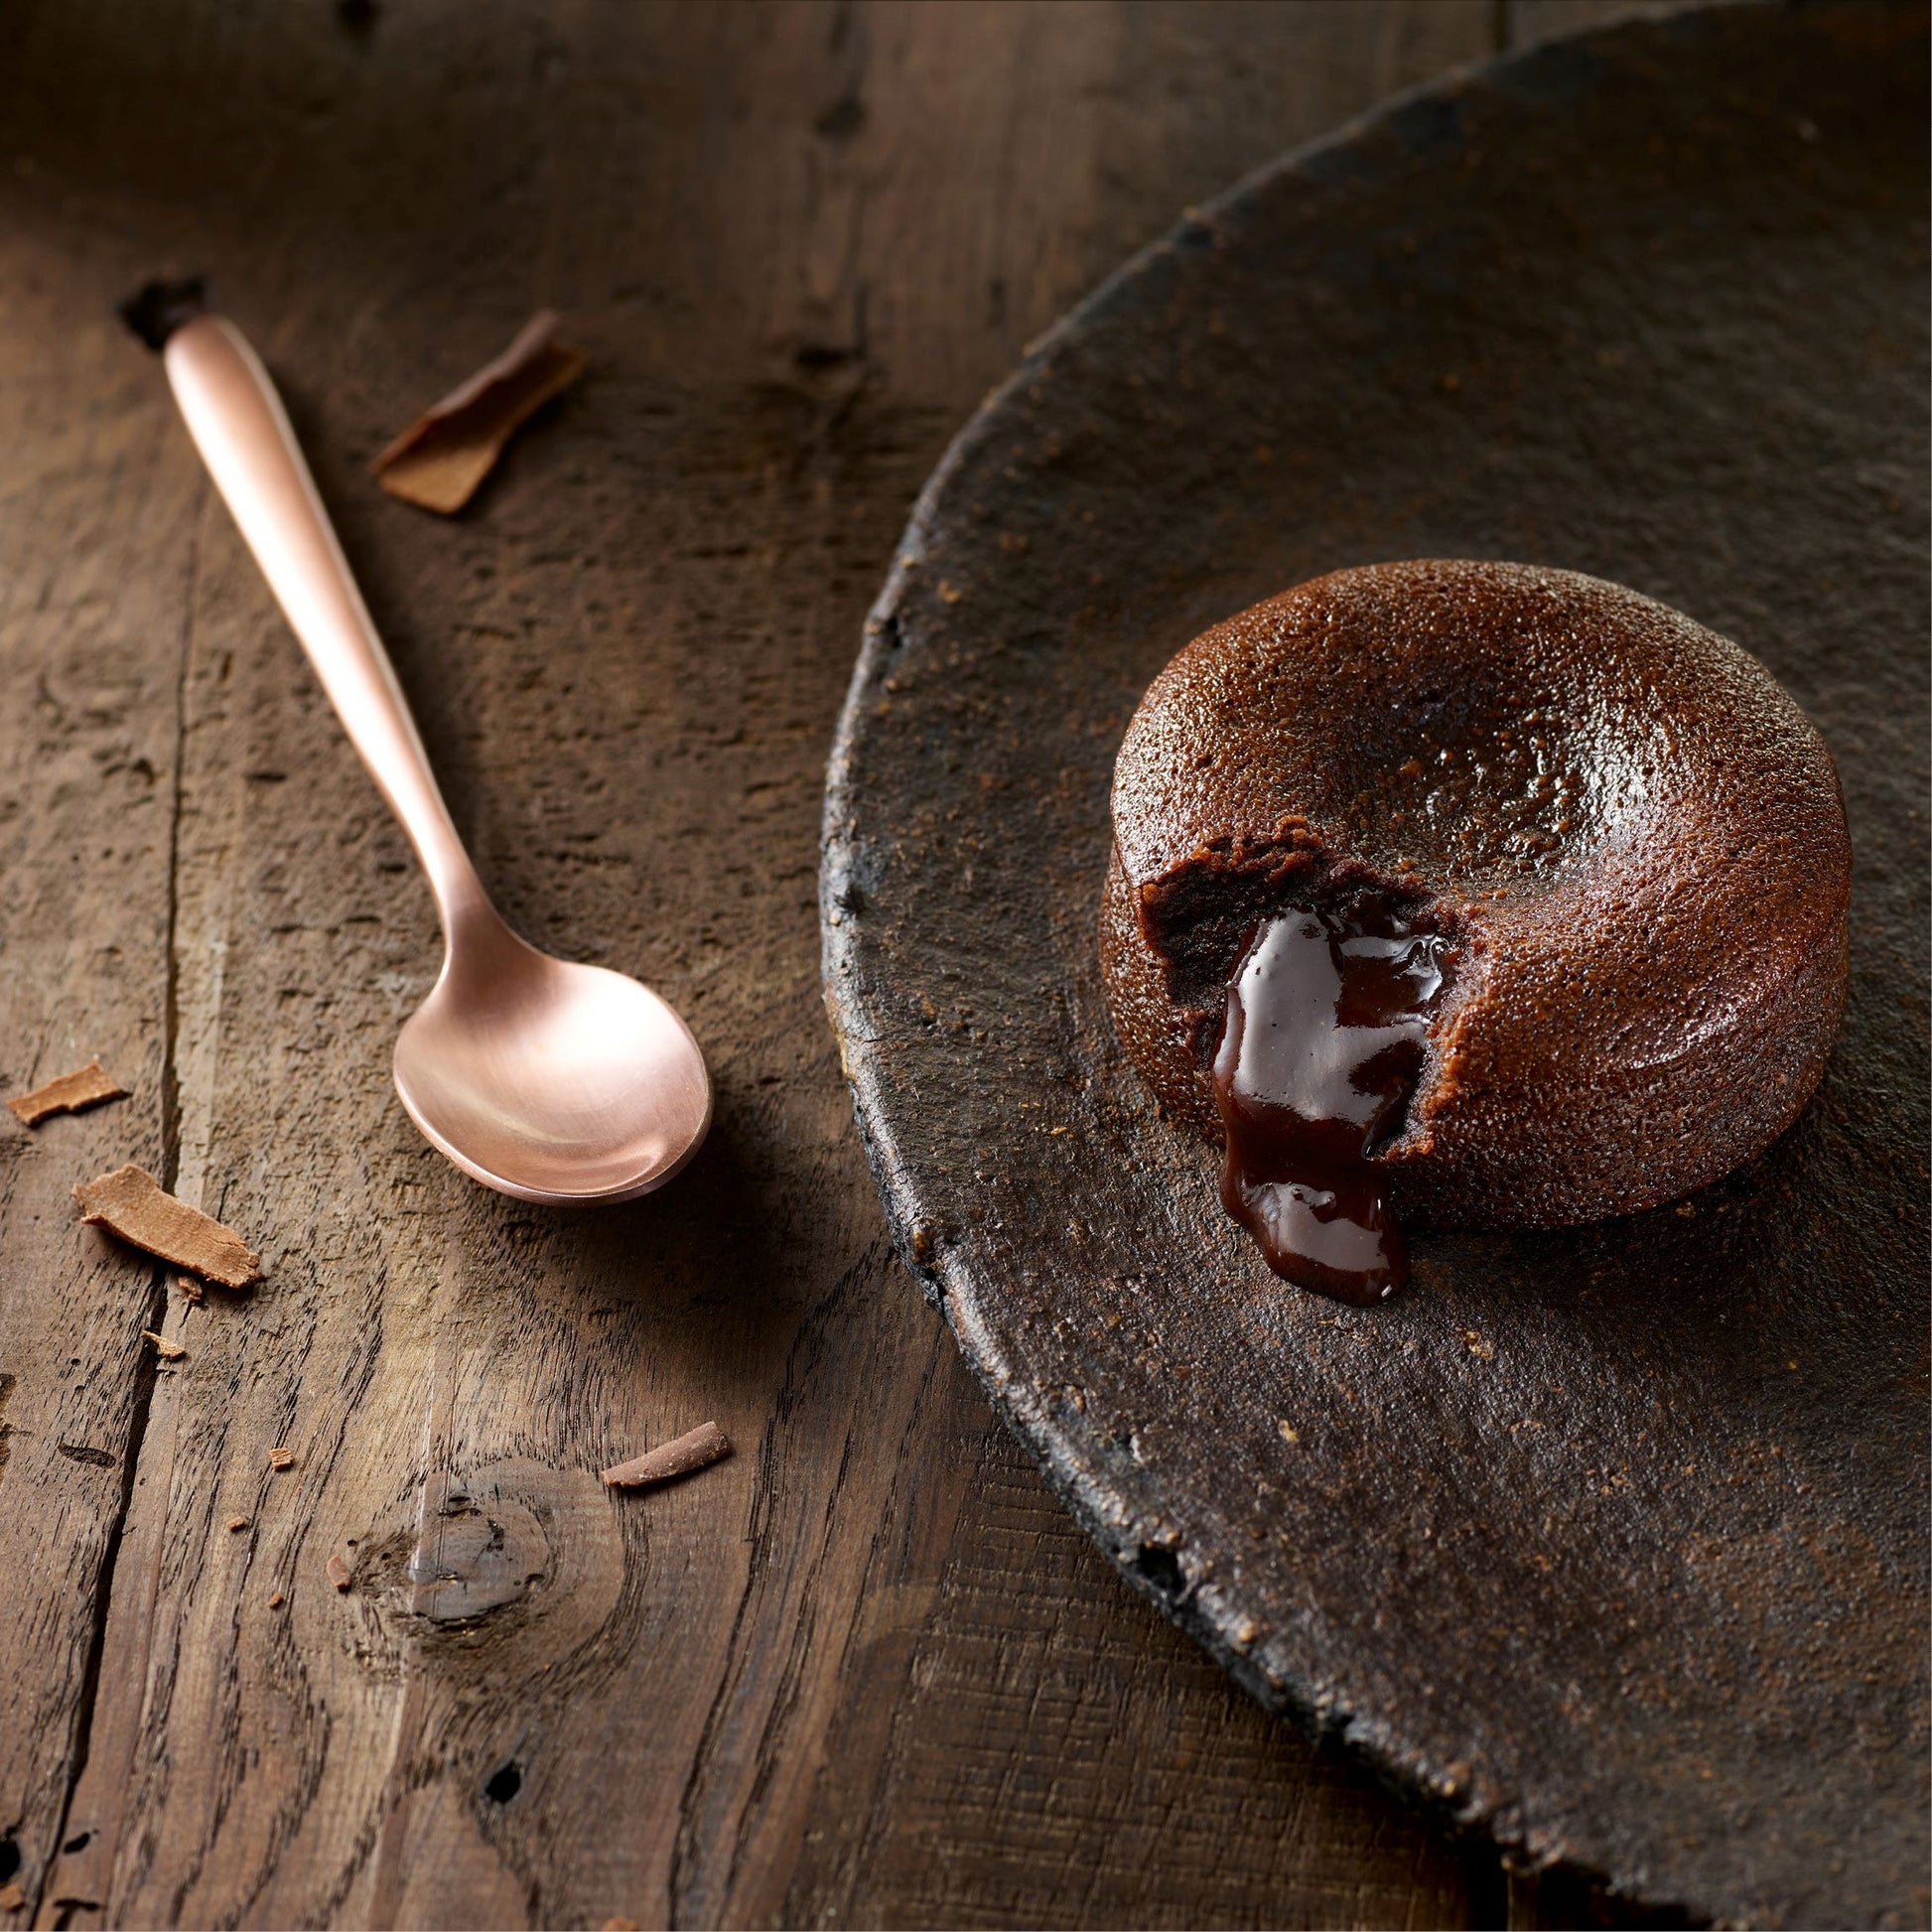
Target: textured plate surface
{"points": [[1612, 1539]]}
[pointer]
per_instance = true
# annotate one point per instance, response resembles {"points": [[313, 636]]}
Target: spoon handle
{"points": [[242, 432]]}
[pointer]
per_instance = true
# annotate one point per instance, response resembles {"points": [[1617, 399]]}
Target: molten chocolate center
{"points": [[1321, 1050]]}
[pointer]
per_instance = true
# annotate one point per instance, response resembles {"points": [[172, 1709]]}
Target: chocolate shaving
{"points": [[190, 1289], [87, 1086], [237, 1522], [281, 1459], [440, 459], [705, 1444], [276, 1601], [12, 1898], [169, 1352], [337, 1570], [132, 1203]]}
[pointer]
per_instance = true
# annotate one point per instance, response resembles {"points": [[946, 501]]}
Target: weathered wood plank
{"points": [[864, 1670], [93, 563]]}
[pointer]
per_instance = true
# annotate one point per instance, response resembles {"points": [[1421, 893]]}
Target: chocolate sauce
{"points": [[1321, 1047]]}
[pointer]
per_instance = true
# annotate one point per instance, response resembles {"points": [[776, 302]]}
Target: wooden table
{"points": [[864, 1671]]}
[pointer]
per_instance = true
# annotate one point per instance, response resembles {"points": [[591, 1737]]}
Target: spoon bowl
{"points": [[550, 1081], [544, 1080]]}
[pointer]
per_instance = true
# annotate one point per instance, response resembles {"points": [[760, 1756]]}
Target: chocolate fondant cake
{"points": [[1470, 894]]}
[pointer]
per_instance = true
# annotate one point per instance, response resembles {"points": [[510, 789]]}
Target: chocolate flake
{"points": [[130, 1202], [169, 1352], [237, 1522], [438, 462], [281, 1457], [337, 1570], [190, 1289], [276, 1601], [703, 1444], [87, 1087], [12, 1898]]}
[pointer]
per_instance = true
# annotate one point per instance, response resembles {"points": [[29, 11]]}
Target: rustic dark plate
{"points": [[1612, 1539]]}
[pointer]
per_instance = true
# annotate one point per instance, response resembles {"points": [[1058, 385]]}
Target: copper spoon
{"points": [[549, 1081]]}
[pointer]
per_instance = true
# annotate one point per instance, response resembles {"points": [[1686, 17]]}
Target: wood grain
{"points": [[864, 1671], [93, 565]]}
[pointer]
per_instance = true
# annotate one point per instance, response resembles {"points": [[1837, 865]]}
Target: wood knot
{"points": [[478, 1551]]}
